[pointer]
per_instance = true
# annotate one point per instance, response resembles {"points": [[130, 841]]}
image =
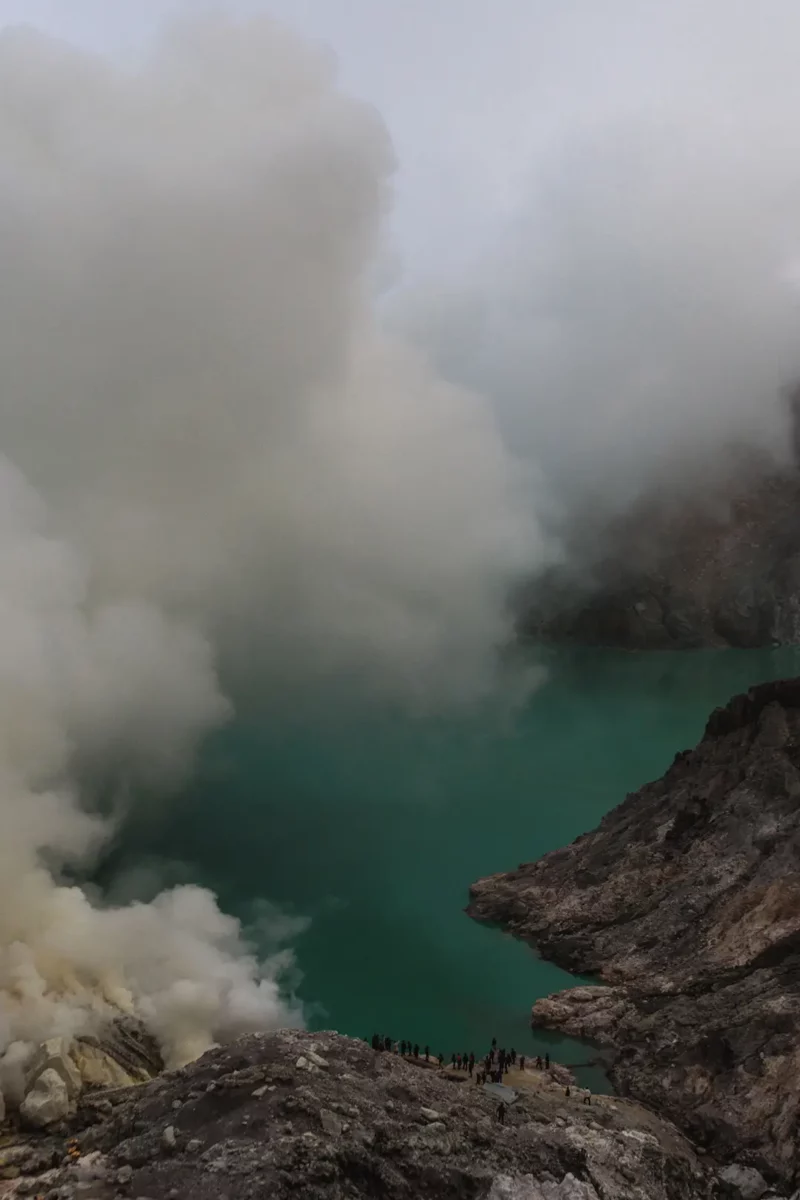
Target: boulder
{"points": [[97, 1068], [744, 1183], [47, 1101], [55, 1055]]}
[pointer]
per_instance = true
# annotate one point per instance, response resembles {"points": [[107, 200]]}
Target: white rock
{"points": [[259, 1092], [435, 1128], [525, 1187], [747, 1182], [168, 1139], [318, 1060], [430, 1114], [47, 1101], [55, 1055]]}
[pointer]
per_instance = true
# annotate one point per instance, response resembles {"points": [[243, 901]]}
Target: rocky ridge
{"points": [[323, 1117], [718, 568], [685, 905]]}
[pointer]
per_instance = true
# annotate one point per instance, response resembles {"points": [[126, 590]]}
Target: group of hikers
{"points": [[490, 1069]]}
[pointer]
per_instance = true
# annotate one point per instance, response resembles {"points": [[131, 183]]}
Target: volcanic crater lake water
{"points": [[373, 825]]}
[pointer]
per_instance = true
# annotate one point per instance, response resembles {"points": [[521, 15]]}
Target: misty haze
{"points": [[399, 426]]}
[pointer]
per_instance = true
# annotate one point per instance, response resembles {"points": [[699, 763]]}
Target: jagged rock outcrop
{"points": [[685, 902], [721, 568], [123, 1053], [323, 1117]]}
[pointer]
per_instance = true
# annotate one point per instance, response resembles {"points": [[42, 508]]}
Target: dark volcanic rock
{"points": [[686, 901], [721, 568], [323, 1117]]}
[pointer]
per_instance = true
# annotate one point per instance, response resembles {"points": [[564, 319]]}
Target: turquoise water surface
{"points": [[372, 825]]}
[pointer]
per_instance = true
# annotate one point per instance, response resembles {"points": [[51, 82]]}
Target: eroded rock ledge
{"points": [[324, 1117], [685, 903]]}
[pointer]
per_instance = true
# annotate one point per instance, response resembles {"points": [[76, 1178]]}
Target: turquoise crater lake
{"points": [[373, 825]]}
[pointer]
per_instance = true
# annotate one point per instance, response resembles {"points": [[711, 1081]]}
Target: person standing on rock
{"points": [[387, 1043], [538, 1062], [416, 1049], [501, 1113], [427, 1054], [522, 1062], [458, 1062], [441, 1059], [547, 1062], [513, 1056], [453, 1061]]}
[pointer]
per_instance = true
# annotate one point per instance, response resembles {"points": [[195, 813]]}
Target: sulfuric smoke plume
{"points": [[210, 449]]}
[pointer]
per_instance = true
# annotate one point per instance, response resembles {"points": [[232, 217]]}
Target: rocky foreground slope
{"points": [[323, 1117], [685, 903]]}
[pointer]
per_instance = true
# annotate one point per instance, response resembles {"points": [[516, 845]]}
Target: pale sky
{"points": [[472, 89]]}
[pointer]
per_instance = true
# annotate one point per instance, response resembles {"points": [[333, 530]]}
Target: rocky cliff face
{"points": [[717, 569], [685, 904], [323, 1117]]}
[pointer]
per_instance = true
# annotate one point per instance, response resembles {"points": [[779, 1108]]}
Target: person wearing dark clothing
{"points": [[522, 1062], [547, 1062], [453, 1061], [404, 1048], [458, 1062], [538, 1062], [441, 1059], [494, 1043], [587, 1099], [501, 1113], [387, 1043], [427, 1054], [513, 1056], [375, 1042], [416, 1050], [567, 1091], [471, 1065]]}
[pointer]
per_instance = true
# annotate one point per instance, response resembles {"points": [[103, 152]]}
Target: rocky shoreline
{"points": [[685, 905], [324, 1117]]}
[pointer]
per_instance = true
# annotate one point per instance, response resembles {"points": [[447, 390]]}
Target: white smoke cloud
{"points": [[210, 449], [631, 309]]}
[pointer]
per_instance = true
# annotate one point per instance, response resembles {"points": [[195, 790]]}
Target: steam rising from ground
{"points": [[209, 448]]}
